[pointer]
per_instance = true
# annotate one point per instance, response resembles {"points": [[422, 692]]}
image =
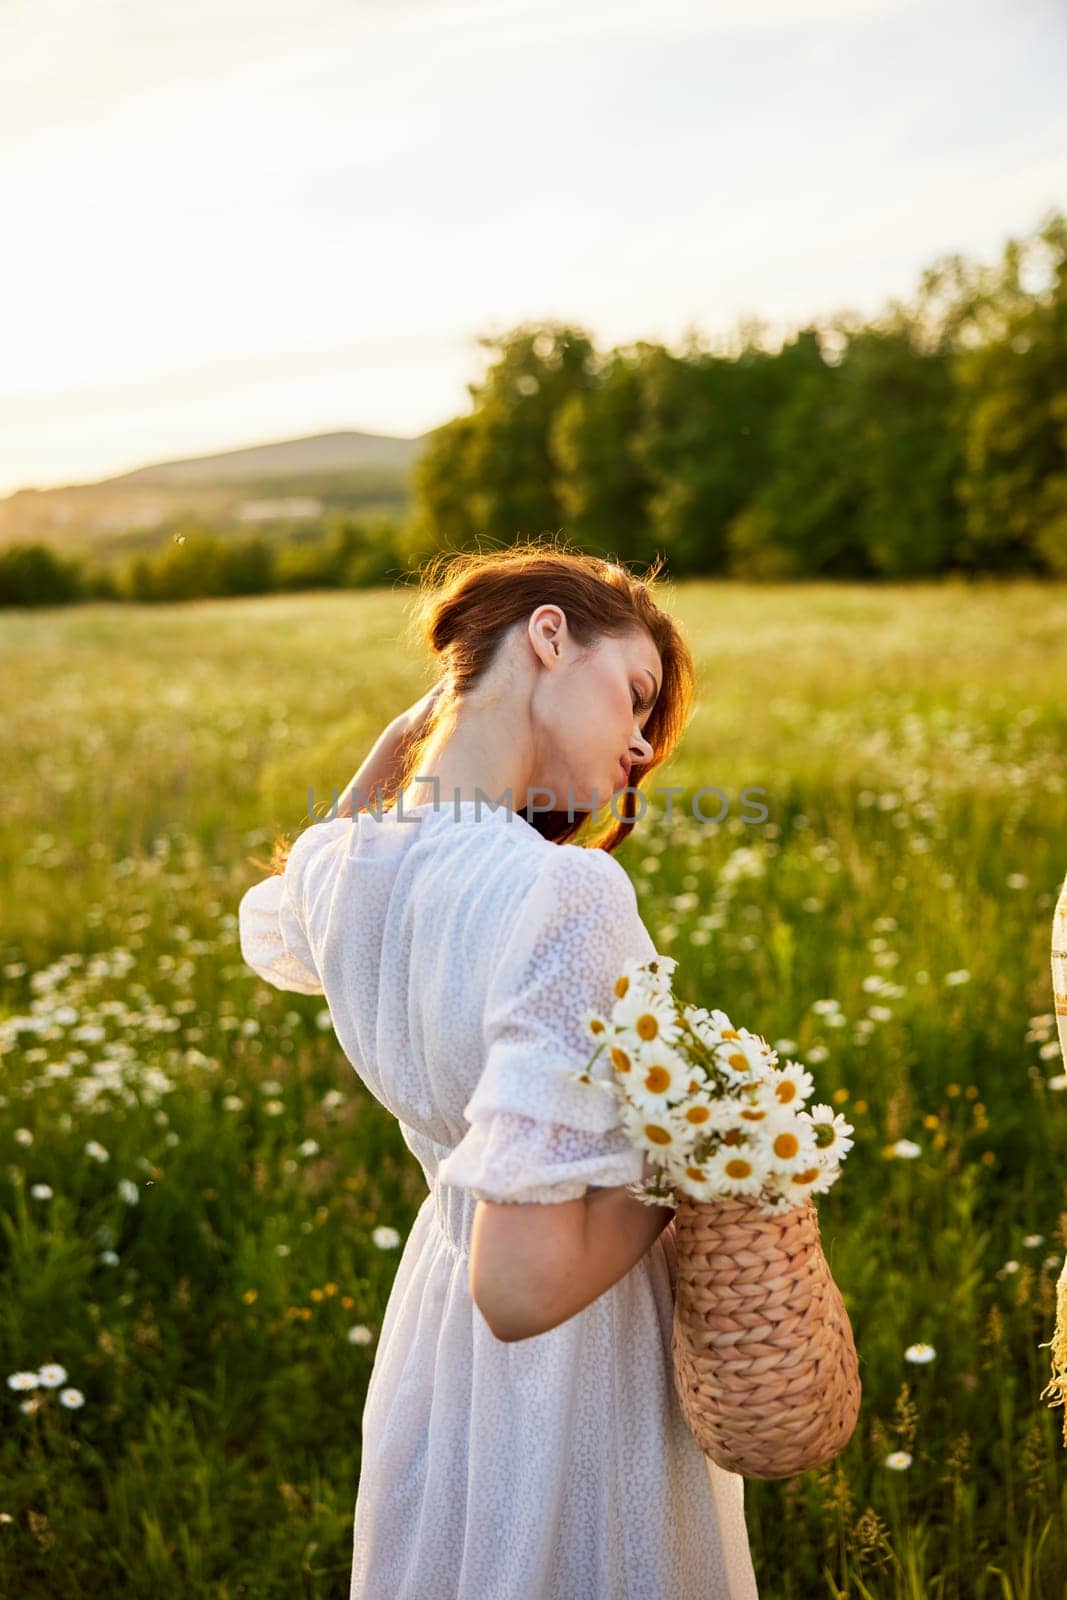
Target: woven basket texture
{"points": [[764, 1361]]}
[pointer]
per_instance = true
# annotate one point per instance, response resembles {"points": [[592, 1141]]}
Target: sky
{"points": [[235, 221]]}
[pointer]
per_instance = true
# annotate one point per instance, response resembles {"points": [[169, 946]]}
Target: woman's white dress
{"points": [[458, 951]]}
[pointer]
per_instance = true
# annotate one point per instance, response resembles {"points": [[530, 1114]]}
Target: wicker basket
{"points": [[764, 1361]]}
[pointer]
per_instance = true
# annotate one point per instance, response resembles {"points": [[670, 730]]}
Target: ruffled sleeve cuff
{"points": [[273, 943], [512, 1157]]}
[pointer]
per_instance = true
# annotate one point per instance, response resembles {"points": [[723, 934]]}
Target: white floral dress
{"points": [[458, 950]]}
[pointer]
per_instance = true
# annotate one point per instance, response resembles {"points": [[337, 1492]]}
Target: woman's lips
{"points": [[624, 777]]}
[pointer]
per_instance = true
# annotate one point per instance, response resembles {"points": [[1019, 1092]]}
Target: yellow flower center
{"points": [[786, 1145], [596, 1026], [646, 1026], [730, 1033], [656, 1134], [738, 1061], [738, 1167], [809, 1175], [733, 1136], [753, 1114], [619, 1059], [697, 1114], [696, 1173], [786, 1090], [657, 1080], [621, 986]]}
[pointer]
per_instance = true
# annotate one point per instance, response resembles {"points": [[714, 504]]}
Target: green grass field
{"points": [[193, 1176]]}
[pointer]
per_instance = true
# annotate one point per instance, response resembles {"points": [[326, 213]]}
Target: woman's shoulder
{"points": [[580, 879]]}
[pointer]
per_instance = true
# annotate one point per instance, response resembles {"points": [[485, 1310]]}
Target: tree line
{"points": [[930, 439]]}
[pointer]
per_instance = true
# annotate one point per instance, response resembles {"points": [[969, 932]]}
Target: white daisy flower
{"points": [[52, 1375], [694, 1179], [695, 1116], [789, 1143], [97, 1151], [920, 1353], [22, 1380], [737, 1169], [360, 1334], [128, 1192], [41, 1191], [71, 1398], [646, 1013], [660, 1078], [906, 1149], [829, 1130], [792, 1084], [898, 1460], [596, 1025], [655, 1132], [386, 1238]]}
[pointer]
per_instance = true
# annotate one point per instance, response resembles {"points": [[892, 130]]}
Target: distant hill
{"points": [[277, 487]]}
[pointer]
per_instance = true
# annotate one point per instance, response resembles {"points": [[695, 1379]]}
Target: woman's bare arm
{"points": [[382, 764], [533, 1266]]}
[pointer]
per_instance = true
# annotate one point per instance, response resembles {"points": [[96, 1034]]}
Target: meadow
{"points": [[202, 1208]]}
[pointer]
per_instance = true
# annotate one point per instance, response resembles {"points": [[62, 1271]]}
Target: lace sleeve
{"points": [[534, 1135]]}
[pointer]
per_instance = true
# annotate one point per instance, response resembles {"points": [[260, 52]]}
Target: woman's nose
{"points": [[640, 748]]}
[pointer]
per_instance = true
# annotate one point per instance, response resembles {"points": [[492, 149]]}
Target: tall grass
{"points": [[202, 1208]]}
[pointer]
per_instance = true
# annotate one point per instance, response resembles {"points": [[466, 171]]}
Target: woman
{"points": [[521, 1435]]}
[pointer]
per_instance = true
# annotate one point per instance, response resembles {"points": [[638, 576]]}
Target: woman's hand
{"points": [[382, 766]]}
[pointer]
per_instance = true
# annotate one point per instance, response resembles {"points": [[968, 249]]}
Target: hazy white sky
{"points": [[228, 223]]}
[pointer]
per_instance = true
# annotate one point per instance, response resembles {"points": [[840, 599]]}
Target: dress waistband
{"points": [[453, 1209]]}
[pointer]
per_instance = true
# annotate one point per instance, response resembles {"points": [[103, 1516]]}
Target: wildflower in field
{"points": [[1040, 1027], [128, 1192], [1008, 1269], [310, 1147], [52, 1375], [71, 1398], [1032, 1240], [879, 1013], [899, 1460], [23, 1136], [274, 1108], [906, 1149], [41, 1191], [386, 1238], [961, 975], [271, 1086], [1059, 1082], [109, 1258], [360, 1334], [97, 1151], [1049, 1051], [22, 1380], [920, 1353], [1017, 880], [323, 1020]]}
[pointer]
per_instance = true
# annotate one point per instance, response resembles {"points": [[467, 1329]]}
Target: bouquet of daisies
{"points": [[708, 1103], [764, 1363]]}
